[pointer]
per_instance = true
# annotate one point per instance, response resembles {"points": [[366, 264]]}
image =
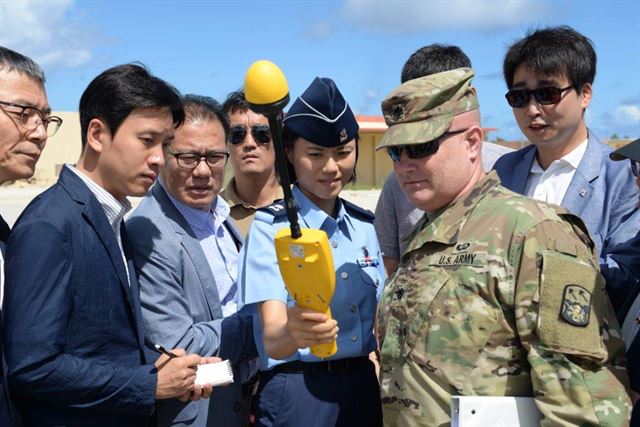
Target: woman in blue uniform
{"points": [[298, 389]]}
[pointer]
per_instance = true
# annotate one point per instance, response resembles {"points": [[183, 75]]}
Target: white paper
{"points": [[218, 373]]}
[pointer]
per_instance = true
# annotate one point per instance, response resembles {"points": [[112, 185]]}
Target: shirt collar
{"points": [[198, 218], [231, 196], [572, 159], [113, 208], [315, 217], [229, 193], [446, 225]]}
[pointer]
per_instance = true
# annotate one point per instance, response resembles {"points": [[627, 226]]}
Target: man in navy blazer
{"points": [[73, 332], [550, 74], [186, 255], [25, 124]]}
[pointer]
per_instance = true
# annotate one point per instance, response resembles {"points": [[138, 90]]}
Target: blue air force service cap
{"points": [[322, 116]]}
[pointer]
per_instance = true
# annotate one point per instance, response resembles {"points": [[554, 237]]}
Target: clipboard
{"points": [[494, 411]]}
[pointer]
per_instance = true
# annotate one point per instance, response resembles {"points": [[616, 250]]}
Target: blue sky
{"points": [[205, 47]]}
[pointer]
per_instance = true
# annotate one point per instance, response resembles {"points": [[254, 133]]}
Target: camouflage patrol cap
{"points": [[421, 110]]}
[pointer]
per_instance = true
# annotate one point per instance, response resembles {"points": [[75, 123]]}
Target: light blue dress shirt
{"points": [[358, 287], [218, 246]]}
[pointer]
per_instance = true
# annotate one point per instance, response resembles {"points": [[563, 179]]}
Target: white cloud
{"points": [[319, 30], [410, 16], [46, 31], [628, 114]]}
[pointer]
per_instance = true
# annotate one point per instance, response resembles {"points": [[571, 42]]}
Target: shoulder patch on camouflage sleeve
{"points": [[576, 305]]}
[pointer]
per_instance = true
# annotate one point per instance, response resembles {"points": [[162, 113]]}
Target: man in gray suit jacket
{"points": [[185, 253], [550, 74]]}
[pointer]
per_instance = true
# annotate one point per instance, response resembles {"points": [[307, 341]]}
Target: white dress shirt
{"points": [[551, 185]]}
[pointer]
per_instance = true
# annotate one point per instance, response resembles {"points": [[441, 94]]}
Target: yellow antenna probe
{"points": [[304, 255]]}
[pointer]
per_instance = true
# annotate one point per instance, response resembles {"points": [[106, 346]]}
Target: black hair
{"points": [[432, 59], [235, 103], [204, 108], [289, 138], [116, 92], [11, 60], [553, 51]]}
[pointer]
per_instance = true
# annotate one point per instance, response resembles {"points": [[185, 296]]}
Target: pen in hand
{"points": [[162, 350]]}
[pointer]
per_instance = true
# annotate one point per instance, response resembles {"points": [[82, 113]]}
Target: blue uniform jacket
{"points": [[360, 273], [72, 330], [604, 195]]}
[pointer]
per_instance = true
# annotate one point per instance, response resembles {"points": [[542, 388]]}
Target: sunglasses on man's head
{"points": [[518, 98], [419, 151], [260, 133]]}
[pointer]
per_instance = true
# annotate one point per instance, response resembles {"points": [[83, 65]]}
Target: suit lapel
{"points": [[193, 249], [4, 230], [581, 188], [516, 180], [135, 290], [94, 215]]}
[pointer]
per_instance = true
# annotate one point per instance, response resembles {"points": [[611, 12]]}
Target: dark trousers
{"points": [[322, 399]]}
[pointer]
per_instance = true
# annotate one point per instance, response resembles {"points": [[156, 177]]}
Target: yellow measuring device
{"points": [[304, 255]]}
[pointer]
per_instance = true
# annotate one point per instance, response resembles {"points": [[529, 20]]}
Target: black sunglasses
{"points": [[635, 168], [260, 133], [518, 98], [419, 151]]}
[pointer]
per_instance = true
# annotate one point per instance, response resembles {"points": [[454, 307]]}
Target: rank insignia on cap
{"points": [[576, 305], [398, 112], [343, 135], [366, 260]]}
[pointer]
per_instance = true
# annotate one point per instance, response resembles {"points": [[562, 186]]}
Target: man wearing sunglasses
{"points": [[185, 248], [395, 215], [25, 124], [550, 74], [254, 183], [497, 294]]}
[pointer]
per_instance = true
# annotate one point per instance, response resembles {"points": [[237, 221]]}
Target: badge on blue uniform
{"points": [[367, 260]]}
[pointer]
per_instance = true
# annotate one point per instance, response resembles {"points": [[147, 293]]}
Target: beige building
{"points": [[63, 147]]}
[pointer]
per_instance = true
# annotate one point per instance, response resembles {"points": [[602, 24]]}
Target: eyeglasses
{"points": [[419, 151], [30, 118], [518, 98], [635, 167], [261, 133], [214, 159]]}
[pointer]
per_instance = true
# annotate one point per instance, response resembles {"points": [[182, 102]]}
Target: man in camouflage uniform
{"points": [[497, 294]]}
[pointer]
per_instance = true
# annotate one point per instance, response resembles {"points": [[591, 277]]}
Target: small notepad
{"points": [[216, 374]]}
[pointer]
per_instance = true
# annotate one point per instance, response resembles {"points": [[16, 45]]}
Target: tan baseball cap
{"points": [[421, 110]]}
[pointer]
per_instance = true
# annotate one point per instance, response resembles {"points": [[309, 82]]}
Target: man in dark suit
{"points": [[25, 123], [73, 331]]}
